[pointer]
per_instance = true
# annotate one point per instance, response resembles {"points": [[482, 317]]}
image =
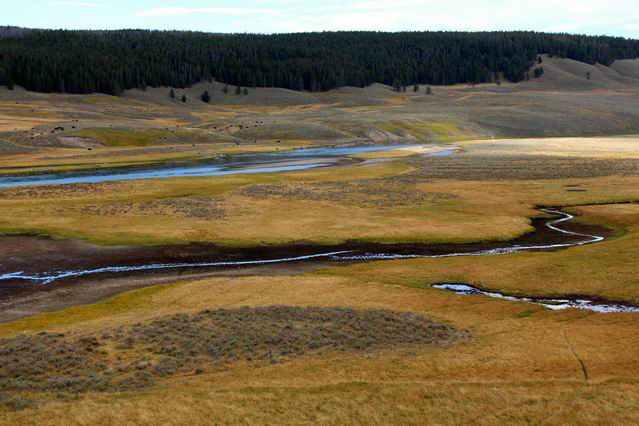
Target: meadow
{"points": [[330, 343]]}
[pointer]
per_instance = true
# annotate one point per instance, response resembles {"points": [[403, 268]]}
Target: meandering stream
{"points": [[577, 239], [550, 236], [506, 249]]}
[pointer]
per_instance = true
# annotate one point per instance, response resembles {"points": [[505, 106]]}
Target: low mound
{"points": [[627, 67], [133, 357], [568, 74], [221, 96]]}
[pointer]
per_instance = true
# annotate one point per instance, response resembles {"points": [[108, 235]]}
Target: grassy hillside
{"points": [[564, 101], [318, 343]]}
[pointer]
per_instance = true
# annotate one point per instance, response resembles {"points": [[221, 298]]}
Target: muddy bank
{"points": [[40, 274], [20, 301], [44, 260]]}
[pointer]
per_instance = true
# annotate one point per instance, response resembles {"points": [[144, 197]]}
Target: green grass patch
{"points": [[440, 131], [525, 314], [115, 137], [115, 305]]}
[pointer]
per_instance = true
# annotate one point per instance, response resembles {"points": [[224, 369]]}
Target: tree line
{"points": [[113, 61]]}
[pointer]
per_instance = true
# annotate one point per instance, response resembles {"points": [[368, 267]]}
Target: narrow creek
{"points": [[553, 238], [550, 303], [548, 236], [506, 249]]}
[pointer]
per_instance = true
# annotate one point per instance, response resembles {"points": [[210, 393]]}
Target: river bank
{"points": [[68, 273]]}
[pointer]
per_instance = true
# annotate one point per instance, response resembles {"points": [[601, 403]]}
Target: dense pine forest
{"points": [[112, 61]]}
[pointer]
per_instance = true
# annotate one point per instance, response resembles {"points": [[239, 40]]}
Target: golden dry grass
{"points": [[515, 368], [470, 211], [524, 363], [199, 403], [246, 221], [456, 210], [594, 147], [9, 123], [97, 215], [605, 269]]}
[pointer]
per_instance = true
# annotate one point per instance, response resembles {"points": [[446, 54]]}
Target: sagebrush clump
{"points": [[133, 357]]}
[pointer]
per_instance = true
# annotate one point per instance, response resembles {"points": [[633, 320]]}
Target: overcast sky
{"points": [[609, 17]]}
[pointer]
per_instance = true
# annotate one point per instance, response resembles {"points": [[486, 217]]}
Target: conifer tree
{"points": [[115, 89]]}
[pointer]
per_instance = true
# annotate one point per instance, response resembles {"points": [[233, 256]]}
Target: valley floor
{"points": [[363, 342]]}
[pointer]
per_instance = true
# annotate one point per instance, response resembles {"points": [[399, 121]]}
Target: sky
{"points": [[596, 17]]}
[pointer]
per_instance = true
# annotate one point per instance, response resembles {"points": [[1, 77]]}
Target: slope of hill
{"points": [[627, 67], [562, 102], [568, 74]]}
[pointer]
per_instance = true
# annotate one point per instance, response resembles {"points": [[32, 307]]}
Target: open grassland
{"points": [[518, 363], [595, 147], [606, 269], [444, 132], [563, 100], [360, 403], [393, 201], [335, 346], [113, 137]]}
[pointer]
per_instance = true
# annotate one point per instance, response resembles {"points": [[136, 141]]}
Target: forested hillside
{"points": [[112, 61]]}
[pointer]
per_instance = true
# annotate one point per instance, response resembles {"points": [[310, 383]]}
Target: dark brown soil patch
{"points": [[362, 193], [21, 301], [189, 207]]}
